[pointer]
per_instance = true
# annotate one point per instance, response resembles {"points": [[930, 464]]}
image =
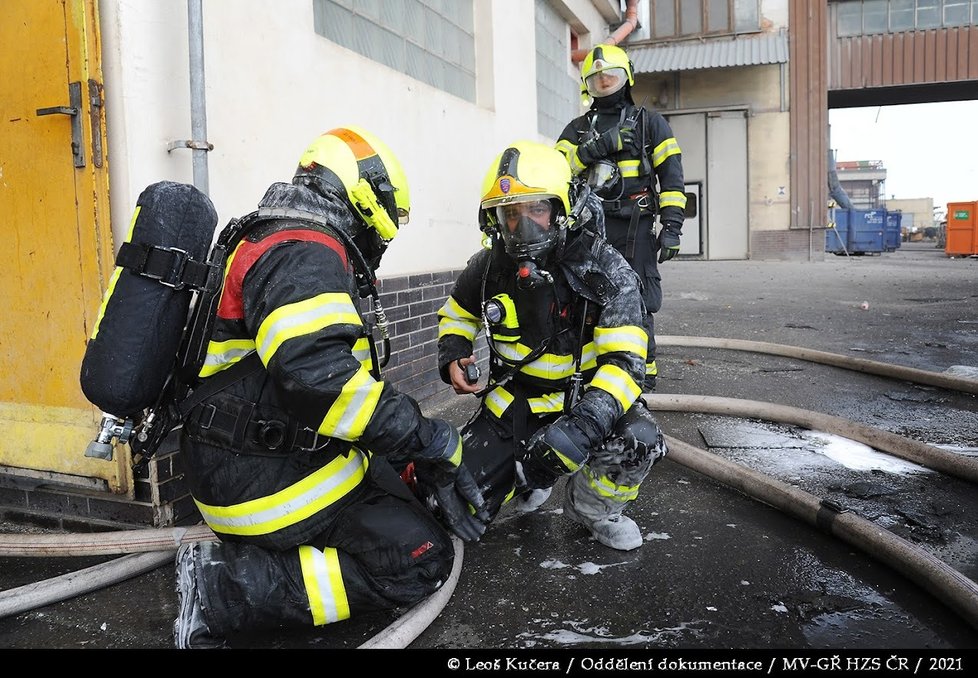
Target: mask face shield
{"points": [[528, 229], [605, 82]]}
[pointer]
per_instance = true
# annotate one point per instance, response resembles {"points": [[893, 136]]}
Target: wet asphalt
{"points": [[718, 570]]}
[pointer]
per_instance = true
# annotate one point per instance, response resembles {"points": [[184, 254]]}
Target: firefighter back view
{"points": [[294, 461], [631, 157], [563, 320]]}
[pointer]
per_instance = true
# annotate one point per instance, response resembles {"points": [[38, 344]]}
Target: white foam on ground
{"points": [[859, 457]]}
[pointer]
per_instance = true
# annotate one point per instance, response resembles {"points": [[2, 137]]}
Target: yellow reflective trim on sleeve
{"points": [[608, 489], [589, 357], [361, 351], [302, 318], [668, 147], [624, 339], [628, 168], [323, 581], [348, 415], [291, 505], [652, 368], [456, 457], [618, 383], [453, 319], [672, 199], [569, 151], [498, 400], [222, 354]]}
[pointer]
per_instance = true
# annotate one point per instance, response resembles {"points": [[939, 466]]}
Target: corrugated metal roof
{"points": [[753, 50]]}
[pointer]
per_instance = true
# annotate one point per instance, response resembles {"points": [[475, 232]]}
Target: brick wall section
{"points": [[790, 245], [161, 497]]}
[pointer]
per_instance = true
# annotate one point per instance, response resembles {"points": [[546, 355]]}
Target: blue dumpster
{"points": [[892, 236], [856, 232]]}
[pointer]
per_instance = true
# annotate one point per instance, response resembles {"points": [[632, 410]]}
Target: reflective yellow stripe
{"points": [[223, 354], [361, 351], [672, 199], [624, 339], [608, 489], [567, 462], [456, 457], [549, 402], [652, 368], [348, 415], [115, 276], [293, 504], [302, 318], [569, 151], [668, 147], [617, 382], [548, 366], [628, 168], [589, 356], [498, 400], [453, 319], [324, 585]]}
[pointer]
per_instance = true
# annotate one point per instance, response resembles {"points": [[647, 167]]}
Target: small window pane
{"points": [[956, 13], [850, 18], [690, 18], [665, 19], [874, 16], [901, 15], [718, 17], [928, 14], [745, 13]]}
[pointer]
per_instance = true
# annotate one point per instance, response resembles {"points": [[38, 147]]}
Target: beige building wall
{"points": [[922, 210]]}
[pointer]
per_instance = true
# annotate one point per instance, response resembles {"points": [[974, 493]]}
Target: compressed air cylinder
{"points": [[140, 324]]}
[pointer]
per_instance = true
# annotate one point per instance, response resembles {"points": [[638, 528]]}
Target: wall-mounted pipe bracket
{"points": [[191, 144]]}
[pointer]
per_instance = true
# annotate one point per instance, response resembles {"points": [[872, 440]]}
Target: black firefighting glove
{"points": [[440, 472], [669, 241], [609, 142], [555, 450]]}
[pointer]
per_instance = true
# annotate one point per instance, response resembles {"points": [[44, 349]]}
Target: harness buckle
{"points": [[206, 416], [315, 442], [174, 276]]}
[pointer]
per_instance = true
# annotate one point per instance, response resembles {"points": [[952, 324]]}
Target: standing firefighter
{"points": [[631, 157], [292, 463], [563, 319]]}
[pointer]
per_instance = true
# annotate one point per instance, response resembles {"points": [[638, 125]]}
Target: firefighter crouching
{"points": [[563, 319], [294, 465]]}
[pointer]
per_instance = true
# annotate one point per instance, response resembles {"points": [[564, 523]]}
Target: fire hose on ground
{"points": [[148, 549]]}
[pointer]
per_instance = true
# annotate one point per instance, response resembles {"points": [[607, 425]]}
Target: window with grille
{"points": [[869, 17], [430, 40], [679, 18]]}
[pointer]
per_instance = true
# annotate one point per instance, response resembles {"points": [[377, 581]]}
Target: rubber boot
{"points": [[603, 518], [530, 500], [190, 630]]}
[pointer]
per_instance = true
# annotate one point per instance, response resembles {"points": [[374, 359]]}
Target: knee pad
{"points": [[637, 435]]}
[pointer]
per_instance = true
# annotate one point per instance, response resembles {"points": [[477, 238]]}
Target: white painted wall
{"points": [[273, 85]]}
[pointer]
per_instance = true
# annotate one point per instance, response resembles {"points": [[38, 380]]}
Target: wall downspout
{"points": [[619, 34], [198, 108]]}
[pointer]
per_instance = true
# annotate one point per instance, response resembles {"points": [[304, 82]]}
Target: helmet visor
{"points": [[527, 228], [605, 82]]}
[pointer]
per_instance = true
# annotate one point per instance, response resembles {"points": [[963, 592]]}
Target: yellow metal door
{"points": [[57, 239]]}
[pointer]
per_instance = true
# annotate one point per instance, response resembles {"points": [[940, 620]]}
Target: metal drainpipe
{"points": [[198, 109]]}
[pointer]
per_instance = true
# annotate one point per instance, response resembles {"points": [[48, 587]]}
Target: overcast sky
{"points": [[928, 150]]}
